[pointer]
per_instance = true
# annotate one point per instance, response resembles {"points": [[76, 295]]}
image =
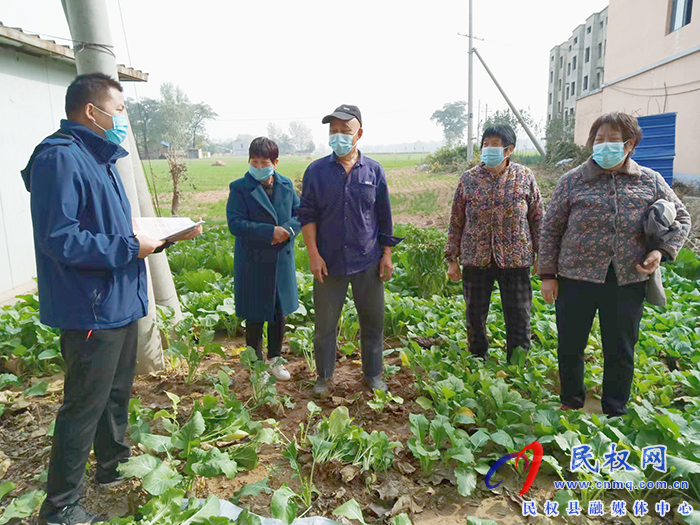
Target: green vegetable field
{"points": [[215, 425]]}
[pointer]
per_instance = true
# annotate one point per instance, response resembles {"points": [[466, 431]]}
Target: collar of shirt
{"points": [[592, 171], [358, 162]]}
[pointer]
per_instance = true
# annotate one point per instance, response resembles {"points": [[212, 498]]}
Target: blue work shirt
{"points": [[352, 212]]}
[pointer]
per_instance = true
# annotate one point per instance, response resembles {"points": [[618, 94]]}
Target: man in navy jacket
{"points": [[345, 216], [92, 286]]}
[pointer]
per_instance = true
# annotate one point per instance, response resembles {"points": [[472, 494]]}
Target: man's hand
{"points": [[651, 263], [147, 246], [549, 290], [280, 235], [194, 232], [318, 267], [454, 272], [386, 266]]}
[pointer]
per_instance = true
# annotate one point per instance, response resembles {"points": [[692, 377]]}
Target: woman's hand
{"points": [[454, 272], [651, 263], [280, 235], [549, 290]]}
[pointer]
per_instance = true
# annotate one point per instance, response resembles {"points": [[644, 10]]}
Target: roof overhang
{"points": [[33, 45]]}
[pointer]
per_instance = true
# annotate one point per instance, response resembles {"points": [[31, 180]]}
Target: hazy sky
{"points": [[275, 61]]}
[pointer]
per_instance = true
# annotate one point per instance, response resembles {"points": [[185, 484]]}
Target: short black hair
{"points": [[503, 131], [90, 88], [263, 147], [624, 123]]}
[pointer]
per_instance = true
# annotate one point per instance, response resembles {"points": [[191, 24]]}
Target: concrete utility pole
{"points": [[512, 107], [470, 103], [89, 26]]}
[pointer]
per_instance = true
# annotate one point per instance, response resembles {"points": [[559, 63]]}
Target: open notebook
{"points": [[163, 228]]}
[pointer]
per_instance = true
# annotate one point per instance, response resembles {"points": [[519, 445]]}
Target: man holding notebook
{"points": [[92, 286]]}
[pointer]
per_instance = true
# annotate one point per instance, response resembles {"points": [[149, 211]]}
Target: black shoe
{"points": [[69, 515], [376, 383], [110, 484]]}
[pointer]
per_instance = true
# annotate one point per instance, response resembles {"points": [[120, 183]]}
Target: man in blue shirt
{"points": [[346, 221], [92, 286]]}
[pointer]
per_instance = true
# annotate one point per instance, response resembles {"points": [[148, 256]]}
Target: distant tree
{"points": [[199, 114], [171, 118], [284, 143], [506, 116], [301, 137], [141, 118], [559, 129], [453, 120]]}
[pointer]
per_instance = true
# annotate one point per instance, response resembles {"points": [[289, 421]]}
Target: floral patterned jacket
{"points": [[595, 218], [495, 218]]}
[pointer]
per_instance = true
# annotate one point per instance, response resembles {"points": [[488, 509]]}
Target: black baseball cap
{"points": [[344, 112]]}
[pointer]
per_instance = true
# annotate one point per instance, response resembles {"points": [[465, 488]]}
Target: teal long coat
{"points": [[263, 270]]}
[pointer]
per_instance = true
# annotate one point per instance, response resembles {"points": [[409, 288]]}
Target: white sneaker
{"points": [[279, 371]]}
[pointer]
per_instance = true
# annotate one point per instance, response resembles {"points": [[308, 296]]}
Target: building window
{"points": [[560, 84], [597, 79], [575, 40], [551, 59], [573, 89], [572, 113], [569, 49], [568, 68], [588, 54], [585, 83], [551, 77], [566, 115], [588, 30], [574, 64], [558, 108], [549, 117], [550, 98], [601, 24], [561, 62], [600, 50], [567, 92], [680, 14]]}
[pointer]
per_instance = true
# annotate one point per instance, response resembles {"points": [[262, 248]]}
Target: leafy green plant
{"points": [[263, 383], [193, 343], [23, 506], [25, 338], [382, 399]]}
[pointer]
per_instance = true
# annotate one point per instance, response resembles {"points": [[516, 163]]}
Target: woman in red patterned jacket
{"points": [[593, 257], [494, 234]]}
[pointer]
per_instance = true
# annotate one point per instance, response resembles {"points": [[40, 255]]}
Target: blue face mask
{"points": [[341, 143], [492, 156], [261, 174], [609, 154], [120, 125]]}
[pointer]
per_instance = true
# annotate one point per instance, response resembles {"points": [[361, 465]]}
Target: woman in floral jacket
{"points": [[593, 257], [494, 233]]}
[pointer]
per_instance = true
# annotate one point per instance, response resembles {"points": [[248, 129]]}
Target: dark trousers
{"points": [[620, 310], [329, 298], [516, 297], [275, 334], [98, 381]]}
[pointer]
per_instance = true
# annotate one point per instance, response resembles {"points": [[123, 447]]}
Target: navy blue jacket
{"points": [[352, 212], [263, 270], [86, 254]]}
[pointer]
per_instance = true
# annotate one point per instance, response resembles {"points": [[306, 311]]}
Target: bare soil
{"points": [[26, 449]]}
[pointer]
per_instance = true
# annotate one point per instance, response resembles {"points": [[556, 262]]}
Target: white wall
{"points": [[32, 93]]}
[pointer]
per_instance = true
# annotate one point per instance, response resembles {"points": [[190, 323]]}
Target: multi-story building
{"points": [[576, 66], [652, 66]]}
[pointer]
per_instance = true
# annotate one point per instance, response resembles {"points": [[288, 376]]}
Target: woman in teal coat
{"points": [[261, 213]]}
